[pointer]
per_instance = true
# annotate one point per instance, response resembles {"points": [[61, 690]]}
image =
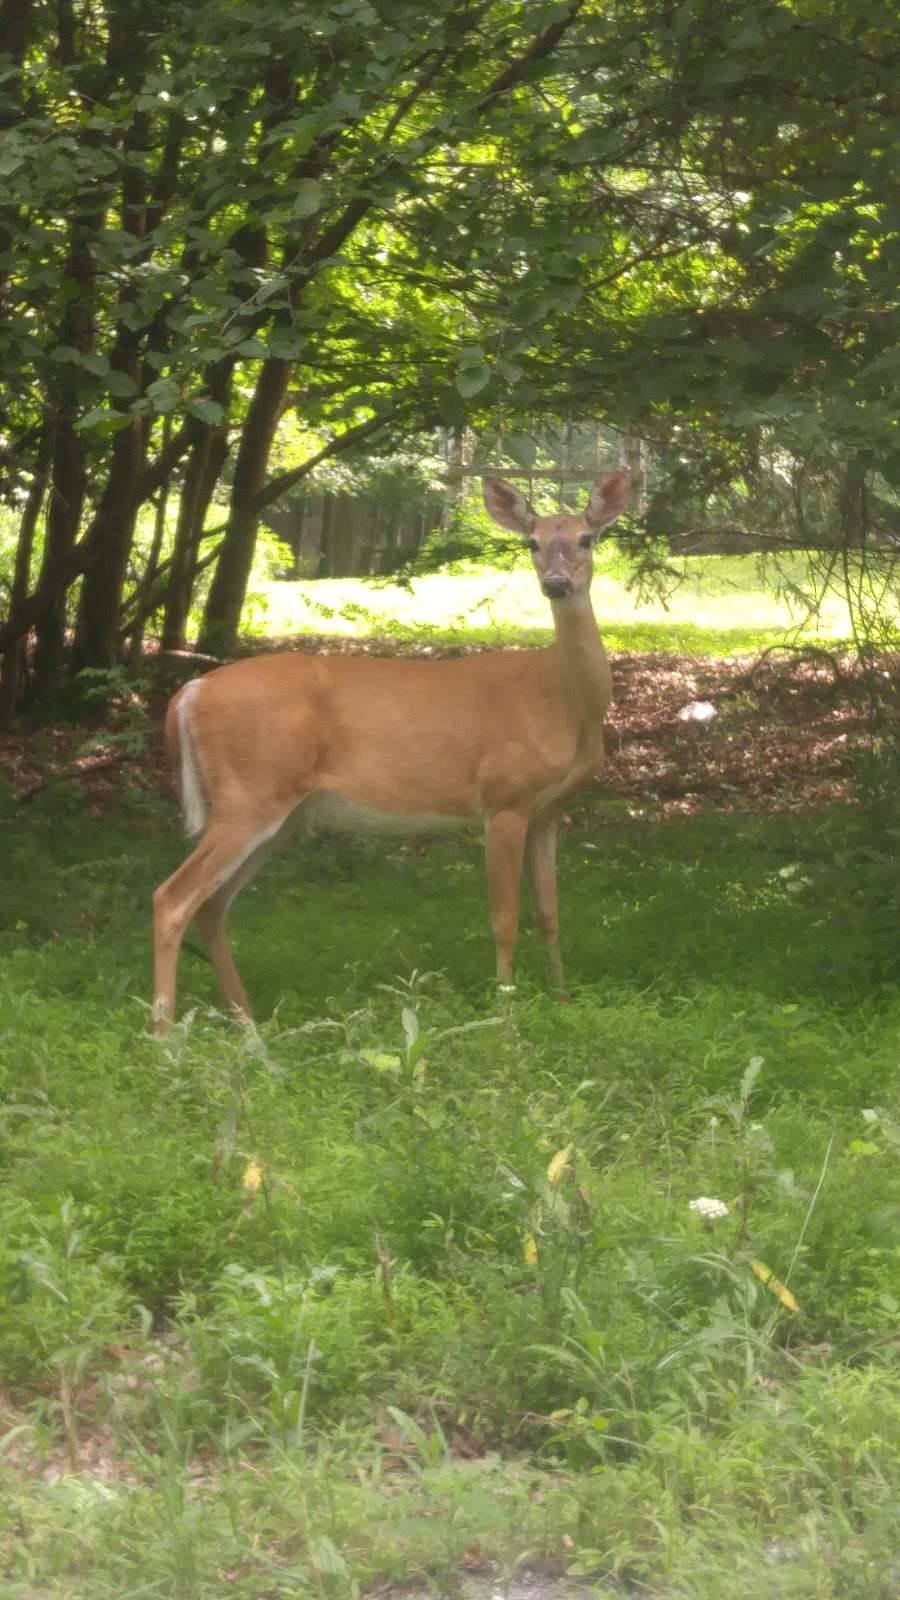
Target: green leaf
{"points": [[748, 37], [381, 1060], [806, 297], [451, 408], [308, 198], [325, 1557], [164, 394], [120, 383], [726, 71], [270, 287], [103, 421], [410, 1028], [470, 380], [207, 410], [890, 469], [752, 1072], [285, 343], [522, 448]]}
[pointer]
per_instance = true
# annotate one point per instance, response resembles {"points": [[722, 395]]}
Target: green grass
{"points": [[723, 605], [416, 1346]]}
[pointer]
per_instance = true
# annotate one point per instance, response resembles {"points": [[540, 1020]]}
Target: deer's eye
{"points": [[532, 544], [586, 540]]}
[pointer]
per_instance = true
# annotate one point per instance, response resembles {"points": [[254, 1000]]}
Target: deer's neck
{"points": [[586, 669]]}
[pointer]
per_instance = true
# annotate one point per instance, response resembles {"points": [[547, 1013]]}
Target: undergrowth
{"points": [[409, 1283]]}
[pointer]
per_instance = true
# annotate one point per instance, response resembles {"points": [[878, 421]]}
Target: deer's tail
{"points": [[184, 760]]}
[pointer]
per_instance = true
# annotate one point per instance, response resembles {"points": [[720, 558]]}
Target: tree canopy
{"points": [[680, 219]]}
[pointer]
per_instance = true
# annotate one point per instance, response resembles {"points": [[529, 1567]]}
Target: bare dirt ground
{"points": [[782, 734]]}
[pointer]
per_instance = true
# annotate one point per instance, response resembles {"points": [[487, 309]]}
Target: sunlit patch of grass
{"points": [[725, 605]]}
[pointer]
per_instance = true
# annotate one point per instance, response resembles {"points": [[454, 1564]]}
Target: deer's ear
{"points": [[607, 500], [508, 506]]}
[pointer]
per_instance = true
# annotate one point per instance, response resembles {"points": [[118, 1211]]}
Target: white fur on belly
{"points": [[327, 811]]}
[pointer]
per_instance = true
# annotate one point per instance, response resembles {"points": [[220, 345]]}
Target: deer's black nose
{"points": [[556, 588]]}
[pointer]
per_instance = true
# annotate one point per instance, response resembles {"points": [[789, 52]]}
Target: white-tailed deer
{"points": [[356, 744]]}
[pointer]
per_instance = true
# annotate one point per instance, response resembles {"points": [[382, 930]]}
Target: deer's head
{"points": [[561, 546]]}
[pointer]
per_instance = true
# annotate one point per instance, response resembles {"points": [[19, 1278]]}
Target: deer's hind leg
{"points": [[210, 920], [203, 887]]}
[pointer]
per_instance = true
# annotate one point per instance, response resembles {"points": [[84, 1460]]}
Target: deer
{"points": [[350, 744]]}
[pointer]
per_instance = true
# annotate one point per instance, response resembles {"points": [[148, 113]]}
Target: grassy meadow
{"points": [[406, 1290], [713, 605]]}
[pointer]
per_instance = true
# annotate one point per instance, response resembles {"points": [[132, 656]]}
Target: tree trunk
{"points": [[11, 662], [14, 18], [100, 604], [221, 620], [203, 471], [145, 587], [68, 478], [67, 486], [201, 475]]}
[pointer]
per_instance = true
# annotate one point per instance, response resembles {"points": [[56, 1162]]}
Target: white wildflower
{"points": [[708, 1209]]}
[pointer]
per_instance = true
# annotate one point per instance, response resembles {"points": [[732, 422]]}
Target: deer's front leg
{"points": [[504, 849], [541, 863]]}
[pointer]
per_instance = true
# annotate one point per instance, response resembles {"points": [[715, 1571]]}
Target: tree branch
{"points": [[283, 481], [340, 230]]}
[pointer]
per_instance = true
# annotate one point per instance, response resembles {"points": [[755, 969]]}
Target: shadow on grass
{"points": [[748, 904]]}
